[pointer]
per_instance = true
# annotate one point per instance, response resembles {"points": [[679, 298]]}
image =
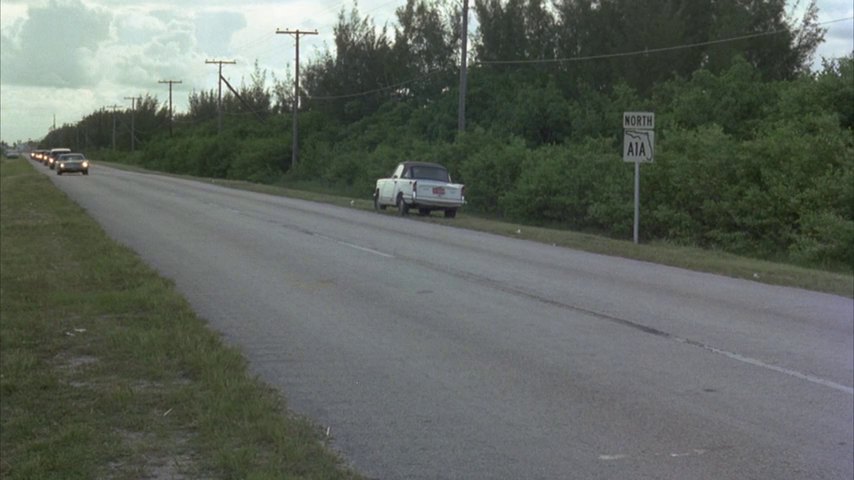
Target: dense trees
{"points": [[754, 153]]}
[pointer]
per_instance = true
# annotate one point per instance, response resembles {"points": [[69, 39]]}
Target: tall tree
{"points": [[425, 45], [202, 105], [362, 63], [778, 45], [501, 31]]}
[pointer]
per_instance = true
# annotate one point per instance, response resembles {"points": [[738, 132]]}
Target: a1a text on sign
{"points": [[638, 145]]}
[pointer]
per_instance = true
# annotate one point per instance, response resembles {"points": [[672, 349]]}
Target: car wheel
{"points": [[451, 213], [376, 201], [85, 172], [402, 207], [59, 172]]}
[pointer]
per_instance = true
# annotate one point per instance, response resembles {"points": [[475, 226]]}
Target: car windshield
{"points": [[71, 158], [430, 173]]}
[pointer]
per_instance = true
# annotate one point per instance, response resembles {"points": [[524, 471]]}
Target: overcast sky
{"points": [[69, 58]]}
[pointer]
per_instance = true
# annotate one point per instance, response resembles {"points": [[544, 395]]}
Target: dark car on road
{"points": [[71, 162], [52, 156]]}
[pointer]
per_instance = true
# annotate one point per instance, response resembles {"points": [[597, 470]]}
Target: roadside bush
{"points": [[260, 160], [584, 186], [824, 239], [491, 170], [685, 193]]}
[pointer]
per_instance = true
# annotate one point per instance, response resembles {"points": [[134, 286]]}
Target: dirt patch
{"points": [[154, 461]]}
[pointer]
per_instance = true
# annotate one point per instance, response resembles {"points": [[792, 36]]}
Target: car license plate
{"points": [[438, 190]]}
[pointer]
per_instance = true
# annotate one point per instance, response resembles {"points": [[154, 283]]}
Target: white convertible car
{"points": [[422, 186]]}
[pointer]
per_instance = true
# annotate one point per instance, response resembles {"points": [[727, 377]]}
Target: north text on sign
{"points": [[639, 120]]}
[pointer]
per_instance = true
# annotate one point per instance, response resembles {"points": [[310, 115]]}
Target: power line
{"points": [[377, 90]]}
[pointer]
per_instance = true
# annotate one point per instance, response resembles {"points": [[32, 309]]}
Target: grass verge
{"points": [[106, 372]]}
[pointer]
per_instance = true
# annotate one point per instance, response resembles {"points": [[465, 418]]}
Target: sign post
{"points": [[638, 146]]}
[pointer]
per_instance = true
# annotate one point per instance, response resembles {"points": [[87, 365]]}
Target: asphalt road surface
{"points": [[432, 352]]}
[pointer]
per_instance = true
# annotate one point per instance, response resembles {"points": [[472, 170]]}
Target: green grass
{"points": [[106, 372]]}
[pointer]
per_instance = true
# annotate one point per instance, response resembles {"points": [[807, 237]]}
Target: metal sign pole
{"points": [[637, 200]]}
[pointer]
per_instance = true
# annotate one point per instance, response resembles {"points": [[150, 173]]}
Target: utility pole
{"points": [[113, 107], [219, 87], [461, 115], [296, 33], [170, 82], [132, 120]]}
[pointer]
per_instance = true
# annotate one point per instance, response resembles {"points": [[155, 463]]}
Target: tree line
{"points": [[754, 152]]}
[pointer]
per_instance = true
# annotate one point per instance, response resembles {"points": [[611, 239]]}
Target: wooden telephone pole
{"points": [[133, 121], [461, 114], [296, 34], [219, 88], [170, 82], [113, 108]]}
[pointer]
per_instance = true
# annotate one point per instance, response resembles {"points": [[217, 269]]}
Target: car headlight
{"points": [[61, 165], [85, 164]]}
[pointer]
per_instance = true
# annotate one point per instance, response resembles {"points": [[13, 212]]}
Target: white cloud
{"points": [[839, 39], [51, 46]]}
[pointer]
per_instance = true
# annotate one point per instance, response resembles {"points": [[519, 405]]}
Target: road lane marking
{"points": [[365, 249], [695, 452], [618, 456]]}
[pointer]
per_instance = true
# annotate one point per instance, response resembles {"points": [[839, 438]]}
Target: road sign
{"points": [[638, 145]]}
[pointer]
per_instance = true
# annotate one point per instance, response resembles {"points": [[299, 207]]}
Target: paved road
{"points": [[433, 352]]}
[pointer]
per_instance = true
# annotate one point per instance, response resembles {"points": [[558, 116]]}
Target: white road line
{"points": [[696, 452], [618, 456], [759, 363], [364, 249]]}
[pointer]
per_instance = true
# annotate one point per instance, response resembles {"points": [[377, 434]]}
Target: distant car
{"points": [[54, 153], [72, 162], [422, 186], [38, 155]]}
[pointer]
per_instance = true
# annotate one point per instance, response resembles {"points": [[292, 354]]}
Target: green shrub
{"points": [[824, 239], [260, 160]]}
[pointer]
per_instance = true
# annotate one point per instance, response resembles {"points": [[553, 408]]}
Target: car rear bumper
{"points": [[73, 168], [436, 203]]}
